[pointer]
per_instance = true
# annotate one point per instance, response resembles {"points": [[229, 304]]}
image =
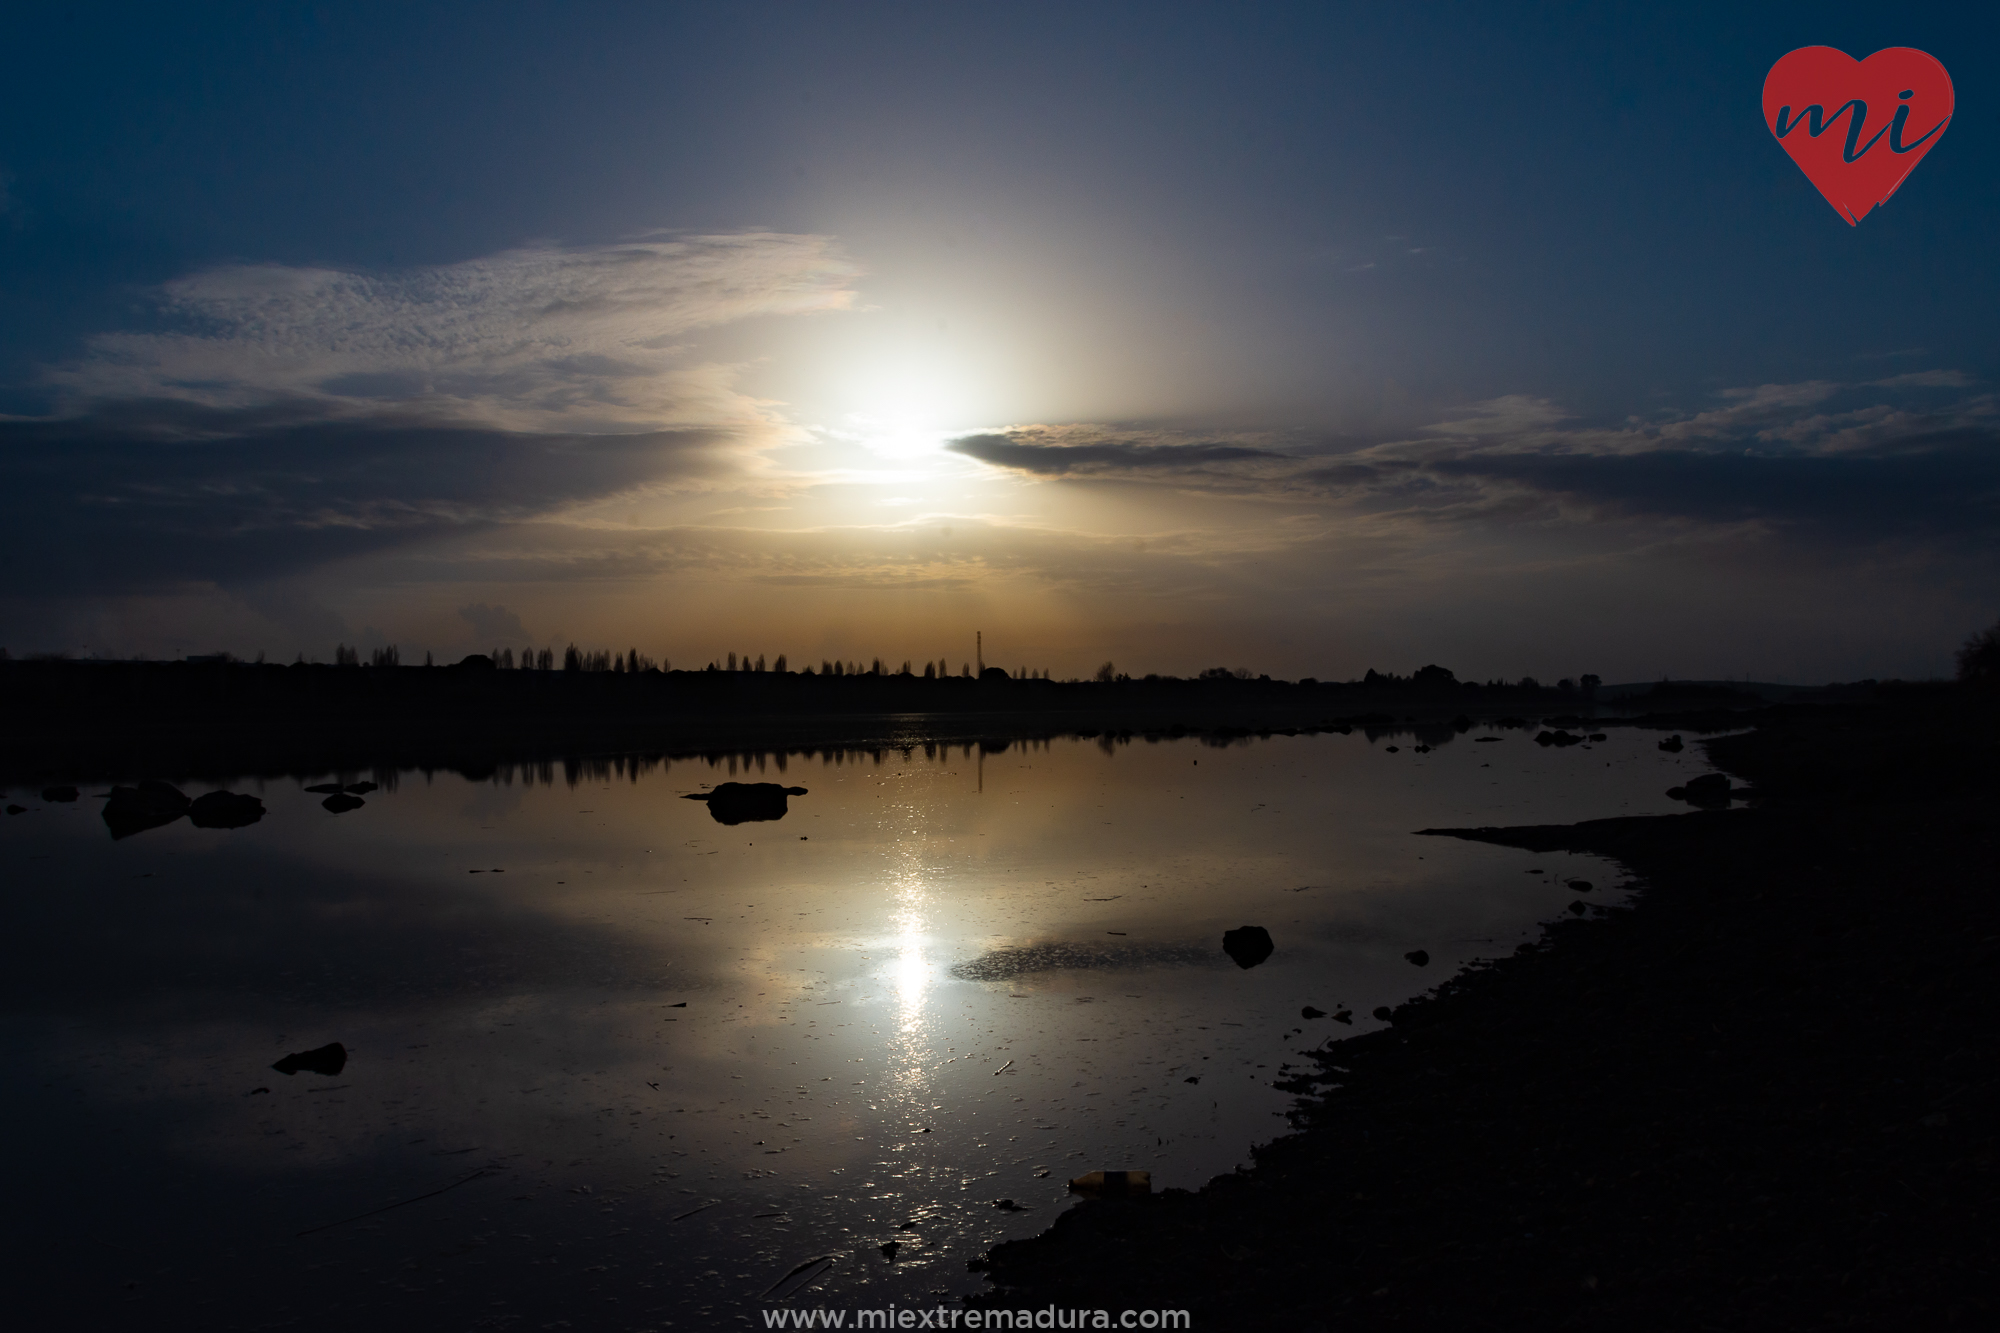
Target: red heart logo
{"points": [[1857, 127]]}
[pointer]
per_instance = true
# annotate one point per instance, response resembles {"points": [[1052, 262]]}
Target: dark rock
{"points": [[1672, 745], [1579, 907], [340, 803], [1248, 945], [1392, 749], [1597, 736], [326, 789], [359, 788], [146, 806], [1419, 957], [224, 809], [329, 1059], [1192, 1078], [1421, 749], [17, 809], [1488, 740], [1581, 885], [889, 1248], [1310, 1012], [1007, 1205], [1345, 1016], [747, 802], [1385, 1013], [59, 793], [1557, 738]]}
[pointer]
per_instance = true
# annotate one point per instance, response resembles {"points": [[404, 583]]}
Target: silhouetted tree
{"points": [[1107, 673], [572, 659], [1979, 657], [1589, 686], [386, 657], [345, 656], [427, 657], [930, 671], [779, 665]]}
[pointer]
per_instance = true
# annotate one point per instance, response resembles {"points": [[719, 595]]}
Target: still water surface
{"points": [[943, 979]]}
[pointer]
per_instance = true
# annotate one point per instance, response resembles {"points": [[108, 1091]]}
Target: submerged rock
{"points": [[1248, 945], [329, 1059], [747, 802], [146, 806], [224, 809]]}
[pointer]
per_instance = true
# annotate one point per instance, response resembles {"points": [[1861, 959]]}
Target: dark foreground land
{"points": [[1763, 1098]]}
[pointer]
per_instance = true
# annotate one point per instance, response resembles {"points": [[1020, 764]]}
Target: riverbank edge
{"points": [[1761, 1097]]}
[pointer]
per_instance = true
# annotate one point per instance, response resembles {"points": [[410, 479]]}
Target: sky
{"points": [[1307, 339]]}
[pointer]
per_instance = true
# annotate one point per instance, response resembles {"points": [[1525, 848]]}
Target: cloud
{"points": [[1926, 379], [1772, 458], [1511, 415], [1092, 451], [544, 338], [282, 417]]}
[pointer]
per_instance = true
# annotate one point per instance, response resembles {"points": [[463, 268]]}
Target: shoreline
{"points": [[1763, 1096]]}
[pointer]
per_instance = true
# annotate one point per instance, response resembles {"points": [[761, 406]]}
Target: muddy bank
{"points": [[1762, 1098]]}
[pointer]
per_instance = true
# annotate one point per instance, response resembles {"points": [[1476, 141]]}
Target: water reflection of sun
{"points": [[911, 975]]}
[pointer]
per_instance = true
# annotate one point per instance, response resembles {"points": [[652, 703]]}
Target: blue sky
{"points": [[1343, 336]]}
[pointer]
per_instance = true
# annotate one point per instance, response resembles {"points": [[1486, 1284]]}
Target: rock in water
{"points": [[1419, 957], [225, 809], [329, 1059], [148, 805], [1672, 745], [340, 803], [747, 802], [1310, 1012], [359, 788], [326, 789], [1248, 945]]}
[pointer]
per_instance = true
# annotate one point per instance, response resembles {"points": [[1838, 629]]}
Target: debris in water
{"points": [[1345, 1016]]}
